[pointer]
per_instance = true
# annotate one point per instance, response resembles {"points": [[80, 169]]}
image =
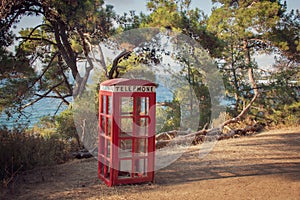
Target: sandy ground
{"points": [[264, 166]]}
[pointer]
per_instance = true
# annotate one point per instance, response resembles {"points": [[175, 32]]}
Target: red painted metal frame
{"points": [[110, 173], [104, 139]]}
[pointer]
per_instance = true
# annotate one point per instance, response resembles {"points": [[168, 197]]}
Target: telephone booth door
{"points": [[105, 137], [127, 131]]}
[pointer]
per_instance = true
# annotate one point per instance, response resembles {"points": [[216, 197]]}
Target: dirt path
{"points": [[264, 166]]}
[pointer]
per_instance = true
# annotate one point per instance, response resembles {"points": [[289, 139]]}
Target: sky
{"points": [[121, 6]]}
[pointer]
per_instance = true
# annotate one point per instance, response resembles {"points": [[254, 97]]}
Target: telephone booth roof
{"points": [[124, 81]]}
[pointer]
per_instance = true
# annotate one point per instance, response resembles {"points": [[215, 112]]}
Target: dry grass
{"points": [[21, 151], [263, 166]]}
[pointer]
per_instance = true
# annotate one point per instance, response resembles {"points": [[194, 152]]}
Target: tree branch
{"points": [[31, 33], [36, 39], [63, 98], [115, 63], [45, 70], [88, 69], [67, 56], [60, 63], [244, 111], [253, 86], [102, 60], [41, 96], [54, 97]]}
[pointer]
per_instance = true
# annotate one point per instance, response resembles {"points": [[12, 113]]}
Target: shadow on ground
{"points": [[264, 154]]}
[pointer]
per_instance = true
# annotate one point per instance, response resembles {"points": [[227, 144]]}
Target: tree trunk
{"points": [[252, 83]]}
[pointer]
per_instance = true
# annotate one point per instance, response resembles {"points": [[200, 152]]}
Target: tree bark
{"points": [[252, 83], [115, 63]]}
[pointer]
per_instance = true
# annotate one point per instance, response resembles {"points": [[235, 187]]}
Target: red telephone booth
{"points": [[126, 149]]}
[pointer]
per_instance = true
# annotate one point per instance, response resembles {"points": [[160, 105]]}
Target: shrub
{"points": [[22, 150], [65, 126]]}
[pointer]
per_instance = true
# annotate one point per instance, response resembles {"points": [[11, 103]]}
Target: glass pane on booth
{"points": [[108, 127], [125, 148], [102, 121], [107, 146], [101, 145], [125, 135], [101, 169], [144, 105], [141, 147], [142, 126], [104, 104], [140, 167], [106, 171], [126, 125], [126, 106], [109, 105], [125, 168]]}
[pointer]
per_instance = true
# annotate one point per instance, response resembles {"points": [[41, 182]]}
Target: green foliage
{"points": [[46, 127], [134, 68], [165, 14], [7, 36], [21, 150], [177, 16], [279, 101], [286, 35], [16, 78], [244, 26], [235, 31], [88, 15], [85, 116], [130, 21], [244, 19], [66, 127], [55, 46], [60, 127], [169, 116], [288, 115]]}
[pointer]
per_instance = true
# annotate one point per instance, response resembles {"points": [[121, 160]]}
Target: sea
{"points": [[50, 107], [31, 115]]}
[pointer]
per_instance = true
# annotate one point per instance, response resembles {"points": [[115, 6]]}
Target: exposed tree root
{"points": [[182, 137]]}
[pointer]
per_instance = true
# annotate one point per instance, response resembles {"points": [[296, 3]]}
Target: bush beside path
{"points": [[263, 166]]}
